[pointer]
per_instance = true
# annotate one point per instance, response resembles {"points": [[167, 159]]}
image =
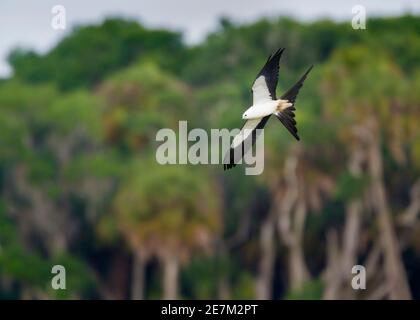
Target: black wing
{"points": [[287, 116], [236, 152], [264, 86]]}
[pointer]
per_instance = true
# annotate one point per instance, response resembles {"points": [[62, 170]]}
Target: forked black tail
{"points": [[287, 116]]}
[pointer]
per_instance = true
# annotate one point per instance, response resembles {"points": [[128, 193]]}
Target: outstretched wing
{"points": [[264, 86], [287, 116], [242, 143]]}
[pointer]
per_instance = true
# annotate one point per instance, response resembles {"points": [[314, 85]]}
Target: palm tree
{"points": [[167, 212], [365, 103], [297, 185]]}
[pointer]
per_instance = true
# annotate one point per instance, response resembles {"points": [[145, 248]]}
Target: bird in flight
{"points": [[264, 104]]}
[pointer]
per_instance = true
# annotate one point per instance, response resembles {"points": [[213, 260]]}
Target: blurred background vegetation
{"points": [[79, 184]]}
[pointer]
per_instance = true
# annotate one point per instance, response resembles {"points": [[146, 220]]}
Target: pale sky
{"points": [[27, 23]]}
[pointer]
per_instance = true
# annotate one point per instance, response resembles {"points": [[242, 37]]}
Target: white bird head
{"points": [[249, 113], [259, 111]]}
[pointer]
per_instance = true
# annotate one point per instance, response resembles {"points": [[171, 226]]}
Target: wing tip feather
{"points": [[228, 166]]}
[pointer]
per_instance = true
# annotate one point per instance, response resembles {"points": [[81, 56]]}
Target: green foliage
{"points": [[350, 187], [80, 280], [139, 101], [198, 278], [244, 286], [32, 269], [90, 53], [311, 290], [182, 212]]}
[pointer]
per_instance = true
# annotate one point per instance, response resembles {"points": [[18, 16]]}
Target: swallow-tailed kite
{"points": [[263, 106]]}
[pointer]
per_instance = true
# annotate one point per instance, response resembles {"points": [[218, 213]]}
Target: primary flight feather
{"points": [[264, 104]]}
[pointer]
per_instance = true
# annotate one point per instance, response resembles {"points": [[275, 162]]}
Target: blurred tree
{"points": [[167, 220], [90, 53], [139, 101], [367, 102]]}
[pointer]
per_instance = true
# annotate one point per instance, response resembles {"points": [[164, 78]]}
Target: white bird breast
{"points": [[261, 110]]}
